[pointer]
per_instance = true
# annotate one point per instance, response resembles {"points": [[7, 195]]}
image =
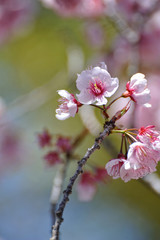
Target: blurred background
{"points": [[42, 48]]}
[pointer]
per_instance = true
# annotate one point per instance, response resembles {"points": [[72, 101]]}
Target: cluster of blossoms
{"points": [[95, 86], [62, 146], [141, 158]]}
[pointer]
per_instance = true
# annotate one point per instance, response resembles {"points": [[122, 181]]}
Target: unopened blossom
{"points": [[114, 165], [44, 138], [64, 144], [52, 158], [76, 8], [137, 89], [95, 85], [86, 187], [68, 105]]}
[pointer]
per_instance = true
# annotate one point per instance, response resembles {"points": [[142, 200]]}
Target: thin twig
{"points": [[59, 214], [57, 186]]}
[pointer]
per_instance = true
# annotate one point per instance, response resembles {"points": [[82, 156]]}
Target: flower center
{"points": [[97, 87]]}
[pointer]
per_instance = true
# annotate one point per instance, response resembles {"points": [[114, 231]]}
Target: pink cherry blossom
{"points": [[68, 107], [74, 8], [127, 173], [141, 155], [114, 165], [137, 89], [86, 187], [149, 136], [95, 85]]}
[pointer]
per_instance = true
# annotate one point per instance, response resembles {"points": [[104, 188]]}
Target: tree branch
{"points": [[59, 214]]}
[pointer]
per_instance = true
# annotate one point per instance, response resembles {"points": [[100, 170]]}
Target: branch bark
{"points": [[108, 126]]}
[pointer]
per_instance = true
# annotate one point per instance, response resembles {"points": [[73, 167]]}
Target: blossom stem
{"points": [[113, 102], [97, 106], [131, 137]]}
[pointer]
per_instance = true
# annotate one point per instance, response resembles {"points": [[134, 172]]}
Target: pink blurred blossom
{"points": [[86, 187], [68, 107], [94, 34], [95, 85], [100, 174], [44, 138], [64, 144], [131, 9], [12, 147], [149, 46], [76, 8], [52, 158], [14, 14]]}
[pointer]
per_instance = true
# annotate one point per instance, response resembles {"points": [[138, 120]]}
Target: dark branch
{"points": [[59, 213]]}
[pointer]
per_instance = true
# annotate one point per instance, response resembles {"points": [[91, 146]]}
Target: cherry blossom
{"points": [[149, 136], [141, 160], [74, 8], [95, 85], [114, 165], [68, 107], [137, 89], [127, 173]]}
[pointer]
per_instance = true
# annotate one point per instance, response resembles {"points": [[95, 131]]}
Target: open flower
{"points": [[141, 160], [95, 85], [137, 89], [68, 107], [114, 165], [149, 136]]}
